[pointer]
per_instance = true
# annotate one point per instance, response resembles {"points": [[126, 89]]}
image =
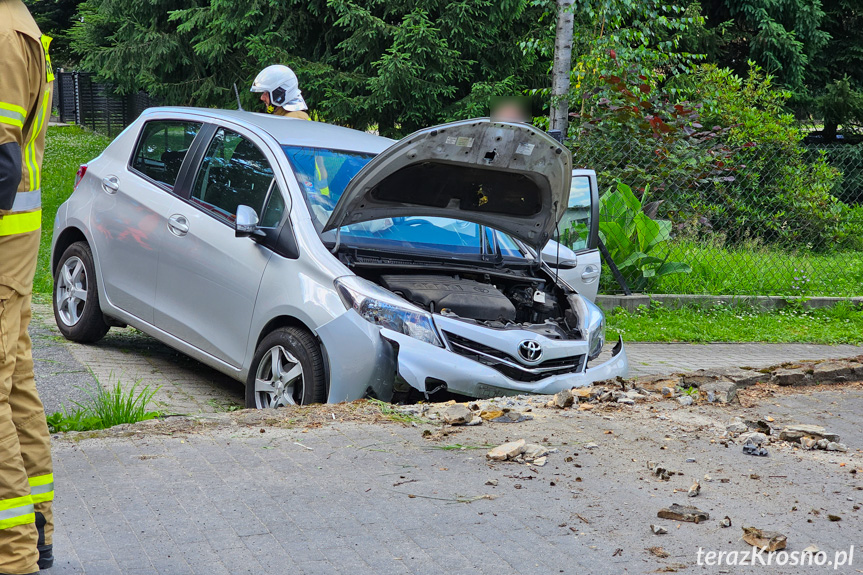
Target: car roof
{"points": [[291, 131]]}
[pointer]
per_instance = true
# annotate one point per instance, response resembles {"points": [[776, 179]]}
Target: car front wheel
{"points": [[288, 369], [76, 297]]}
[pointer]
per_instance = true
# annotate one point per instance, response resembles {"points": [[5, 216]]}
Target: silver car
{"points": [[318, 263]]}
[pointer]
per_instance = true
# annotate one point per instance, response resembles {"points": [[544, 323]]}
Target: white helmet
{"points": [[281, 84]]}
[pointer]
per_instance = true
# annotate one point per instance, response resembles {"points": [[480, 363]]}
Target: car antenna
{"points": [[237, 93]]}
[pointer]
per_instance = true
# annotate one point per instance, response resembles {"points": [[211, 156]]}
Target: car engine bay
{"points": [[513, 303]]}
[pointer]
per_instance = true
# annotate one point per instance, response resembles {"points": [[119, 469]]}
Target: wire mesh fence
{"points": [[784, 219]]}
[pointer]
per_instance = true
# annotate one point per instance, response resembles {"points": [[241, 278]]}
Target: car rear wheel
{"points": [[288, 369], [76, 297]]}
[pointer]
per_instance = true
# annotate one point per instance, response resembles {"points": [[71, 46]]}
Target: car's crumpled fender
{"points": [[361, 363]]}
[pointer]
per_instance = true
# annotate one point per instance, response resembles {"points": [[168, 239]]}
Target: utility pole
{"points": [[562, 67]]}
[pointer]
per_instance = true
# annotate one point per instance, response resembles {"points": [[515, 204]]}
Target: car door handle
{"points": [[178, 225], [110, 184]]}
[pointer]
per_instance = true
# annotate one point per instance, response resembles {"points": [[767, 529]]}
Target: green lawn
{"points": [[66, 148], [739, 323], [756, 270]]}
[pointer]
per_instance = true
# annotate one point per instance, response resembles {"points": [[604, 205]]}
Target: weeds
{"points": [[392, 413], [105, 408], [460, 447]]}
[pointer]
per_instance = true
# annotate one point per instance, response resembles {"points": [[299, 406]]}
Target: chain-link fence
{"points": [[781, 219]]}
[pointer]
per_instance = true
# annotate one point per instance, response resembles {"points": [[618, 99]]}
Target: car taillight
{"points": [[80, 175]]}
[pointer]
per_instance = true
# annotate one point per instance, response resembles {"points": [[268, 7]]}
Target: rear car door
{"points": [[129, 212], [208, 279], [579, 235]]}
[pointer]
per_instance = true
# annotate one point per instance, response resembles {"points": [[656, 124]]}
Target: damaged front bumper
{"points": [[426, 368]]}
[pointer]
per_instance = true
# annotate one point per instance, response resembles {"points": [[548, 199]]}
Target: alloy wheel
{"points": [[279, 379], [71, 291]]}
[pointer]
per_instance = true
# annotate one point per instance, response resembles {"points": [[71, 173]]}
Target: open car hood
{"points": [[511, 177]]}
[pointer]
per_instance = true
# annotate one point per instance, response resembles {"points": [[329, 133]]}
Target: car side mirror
{"points": [[246, 224]]}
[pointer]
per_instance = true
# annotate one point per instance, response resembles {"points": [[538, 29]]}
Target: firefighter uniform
{"points": [[26, 479], [280, 111]]}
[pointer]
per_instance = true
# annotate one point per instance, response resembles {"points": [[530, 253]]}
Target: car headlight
{"points": [[381, 307], [596, 341]]}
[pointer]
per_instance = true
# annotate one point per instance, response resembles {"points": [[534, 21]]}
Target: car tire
{"points": [[299, 379], [76, 296]]}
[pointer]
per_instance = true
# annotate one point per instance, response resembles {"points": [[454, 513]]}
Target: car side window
{"points": [[234, 172], [575, 225], [161, 149]]}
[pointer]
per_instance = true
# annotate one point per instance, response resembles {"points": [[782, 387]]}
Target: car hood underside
{"points": [[511, 177]]}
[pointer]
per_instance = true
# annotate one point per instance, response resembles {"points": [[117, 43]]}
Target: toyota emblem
{"points": [[530, 350]]}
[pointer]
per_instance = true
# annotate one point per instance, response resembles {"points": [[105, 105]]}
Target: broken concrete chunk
{"points": [[477, 420], [723, 391], [626, 400], [834, 446], [736, 426], [512, 417], [540, 461], [755, 437], [657, 382], [533, 451], [695, 489], [725, 522], [793, 433], [584, 393], [491, 482], [683, 513], [667, 392], [766, 540], [794, 376], [563, 398], [590, 445], [685, 400], [490, 414], [457, 414], [658, 529], [507, 450], [822, 444], [832, 371], [808, 443]]}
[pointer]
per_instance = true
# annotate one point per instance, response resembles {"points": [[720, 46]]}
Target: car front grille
{"points": [[508, 365]]}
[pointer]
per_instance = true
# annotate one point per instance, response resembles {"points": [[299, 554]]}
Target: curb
{"points": [[676, 301]]}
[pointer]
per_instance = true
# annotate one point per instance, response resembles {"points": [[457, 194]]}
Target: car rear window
{"points": [[161, 149]]}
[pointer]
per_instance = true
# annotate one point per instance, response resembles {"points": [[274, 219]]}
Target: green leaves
{"points": [[635, 241]]}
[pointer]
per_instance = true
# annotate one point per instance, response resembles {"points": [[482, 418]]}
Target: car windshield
{"points": [[323, 174]]}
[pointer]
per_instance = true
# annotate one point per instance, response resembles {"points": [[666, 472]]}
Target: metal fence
{"points": [[83, 101], [706, 219]]}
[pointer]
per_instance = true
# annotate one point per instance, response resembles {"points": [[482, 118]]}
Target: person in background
{"points": [[280, 91]]}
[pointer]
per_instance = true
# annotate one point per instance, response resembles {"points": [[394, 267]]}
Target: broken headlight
{"points": [[596, 341], [384, 308]]}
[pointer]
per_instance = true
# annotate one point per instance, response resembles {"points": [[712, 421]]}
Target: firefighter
{"points": [[280, 92], [26, 479]]}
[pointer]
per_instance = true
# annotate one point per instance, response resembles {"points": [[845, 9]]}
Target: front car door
{"points": [[208, 278], [579, 233], [129, 212]]}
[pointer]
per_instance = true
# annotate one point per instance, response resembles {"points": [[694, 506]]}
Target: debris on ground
{"points": [[457, 414], [659, 552], [726, 522], [750, 448], [512, 417], [659, 471], [686, 513], [563, 399], [492, 482], [658, 529], [695, 489], [766, 540], [506, 451]]}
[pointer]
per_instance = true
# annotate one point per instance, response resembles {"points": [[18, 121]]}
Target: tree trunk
{"points": [[561, 68]]}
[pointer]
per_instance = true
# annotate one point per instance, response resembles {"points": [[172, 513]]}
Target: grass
{"points": [[757, 270], [105, 408], [842, 323], [391, 412], [66, 148]]}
